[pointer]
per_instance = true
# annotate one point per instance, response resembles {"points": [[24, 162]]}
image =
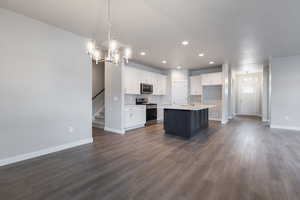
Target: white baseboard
{"points": [[247, 115], [294, 128], [214, 119], [265, 120], [42, 152], [135, 127], [224, 122], [119, 131]]}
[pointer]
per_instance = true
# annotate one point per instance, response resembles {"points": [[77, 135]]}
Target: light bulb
{"points": [[113, 45], [116, 58], [90, 47], [127, 53], [97, 55]]}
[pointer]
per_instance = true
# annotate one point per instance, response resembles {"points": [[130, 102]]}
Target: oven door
{"points": [[151, 114], [146, 88]]}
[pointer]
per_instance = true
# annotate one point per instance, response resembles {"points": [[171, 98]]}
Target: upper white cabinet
{"points": [[159, 84], [134, 77], [211, 79], [196, 85], [132, 80]]}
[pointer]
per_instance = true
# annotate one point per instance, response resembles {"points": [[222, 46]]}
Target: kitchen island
{"points": [[185, 121]]}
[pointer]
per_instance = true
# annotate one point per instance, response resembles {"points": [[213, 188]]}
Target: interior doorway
{"points": [[249, 97]]}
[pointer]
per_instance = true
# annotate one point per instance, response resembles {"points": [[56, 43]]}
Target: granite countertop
{"points": [[189, 107]]}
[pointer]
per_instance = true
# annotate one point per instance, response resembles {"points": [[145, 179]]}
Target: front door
{"points": [[249, 94]]}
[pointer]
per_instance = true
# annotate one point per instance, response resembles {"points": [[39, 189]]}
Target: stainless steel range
{"points": [[151, 110]]}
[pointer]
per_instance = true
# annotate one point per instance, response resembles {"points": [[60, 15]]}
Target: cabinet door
{"points": [[132, 81], [160, 114], [135, 116], [139, 116], [163, 85], [128, 118], [212, 79], [155, 82], [195, 85], [205, 79], [218, 78]]}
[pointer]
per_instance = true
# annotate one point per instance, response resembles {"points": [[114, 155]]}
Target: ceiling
{"points": [[233, 31]]}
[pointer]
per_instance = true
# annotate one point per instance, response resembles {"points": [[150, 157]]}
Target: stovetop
{"points": [[150, 104]]}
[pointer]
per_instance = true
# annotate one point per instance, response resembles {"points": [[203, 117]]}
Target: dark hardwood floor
{"points": [[240, 161]]}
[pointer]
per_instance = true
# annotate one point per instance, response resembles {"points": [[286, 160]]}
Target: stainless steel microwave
{"points": [[146, 88]]}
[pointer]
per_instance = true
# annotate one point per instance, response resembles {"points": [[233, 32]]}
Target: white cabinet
{"points": [[134, 77], [135, 116], [160, 113], [132, 80], [196, 85], [211, 79], [160, 84]]}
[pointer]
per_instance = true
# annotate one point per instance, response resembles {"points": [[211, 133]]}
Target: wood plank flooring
{"points": [[243, 160]]}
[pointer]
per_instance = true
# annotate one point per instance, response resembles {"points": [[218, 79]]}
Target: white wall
{"points": [[285, 95], [114, 98], [265, 94], [45, 87], [225, 93]]}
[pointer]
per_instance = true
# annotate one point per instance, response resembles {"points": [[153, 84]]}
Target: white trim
{"points": [[214, 119], [294, 128], [248, 115], [42, 152], [224, 122], [135, 127], [265, 120], [113, 130]]}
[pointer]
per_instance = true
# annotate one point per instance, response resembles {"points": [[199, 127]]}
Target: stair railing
{"points": [[98, 101]]}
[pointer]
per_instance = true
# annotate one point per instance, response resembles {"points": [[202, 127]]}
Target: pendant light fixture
{"points": [[115, 52]]}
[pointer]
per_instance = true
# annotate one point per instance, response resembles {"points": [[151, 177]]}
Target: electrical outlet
{"points": [[71, 129]]}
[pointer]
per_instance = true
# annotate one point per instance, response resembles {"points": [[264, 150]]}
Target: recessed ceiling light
{"points": [[185, 42], [211, 62], [164, 62], [201, 54], [143, 53], [178, 67]]}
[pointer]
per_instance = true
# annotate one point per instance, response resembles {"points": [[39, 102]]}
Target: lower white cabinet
{"points": [[135, 116], [160, 113]]}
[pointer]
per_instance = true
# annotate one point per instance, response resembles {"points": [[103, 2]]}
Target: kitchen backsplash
{"points": [[130, 99]]}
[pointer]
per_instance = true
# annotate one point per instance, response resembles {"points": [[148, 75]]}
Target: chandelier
{"points": [[114, 53]]}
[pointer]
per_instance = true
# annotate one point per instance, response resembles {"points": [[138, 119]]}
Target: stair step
{"points": [[99, 117], [98, 123], [98, 126]]}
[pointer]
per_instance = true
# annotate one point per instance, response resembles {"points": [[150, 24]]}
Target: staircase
{"points": [[99, 110], [99, 120]]}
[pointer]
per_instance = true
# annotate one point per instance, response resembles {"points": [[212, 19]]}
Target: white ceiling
{"points": [[234, 31]]}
